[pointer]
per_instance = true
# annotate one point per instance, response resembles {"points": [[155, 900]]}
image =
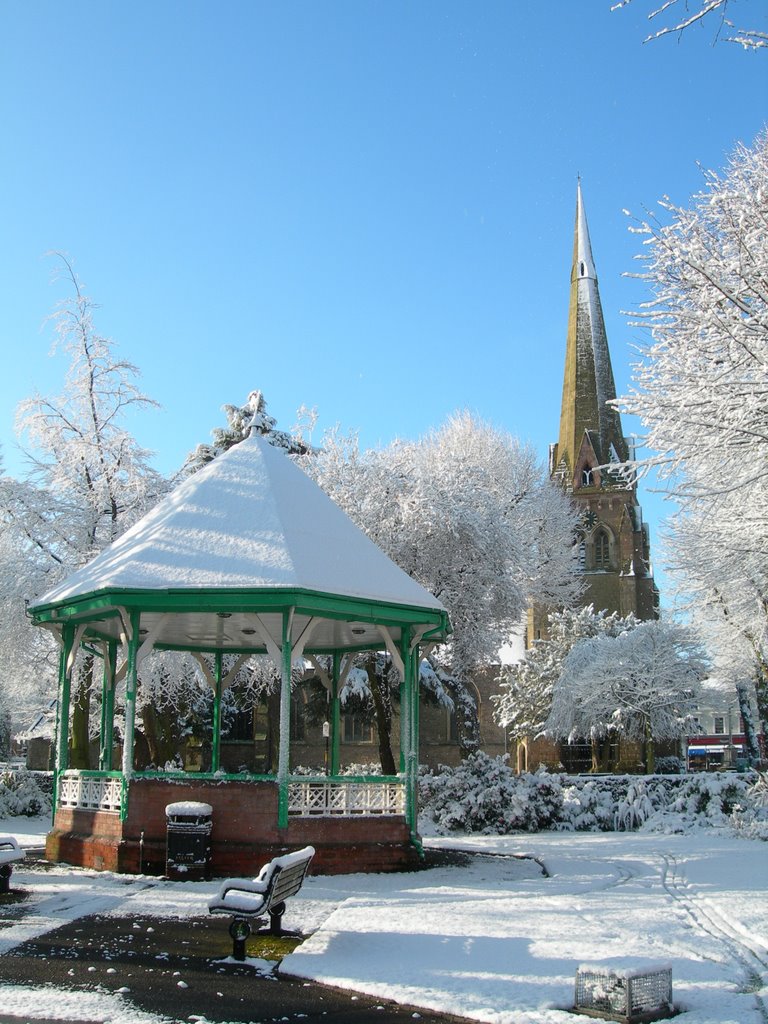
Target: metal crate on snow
{"points": [[632, 995]]}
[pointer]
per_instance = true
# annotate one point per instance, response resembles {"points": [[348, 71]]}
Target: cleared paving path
{"points": [[180, 969]]}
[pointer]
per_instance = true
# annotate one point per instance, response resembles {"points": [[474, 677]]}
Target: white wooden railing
{"points": [[324, 799], [91, 792], [315, 798]]}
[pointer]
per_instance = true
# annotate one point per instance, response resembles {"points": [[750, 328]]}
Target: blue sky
{"points": [[361, 206]]}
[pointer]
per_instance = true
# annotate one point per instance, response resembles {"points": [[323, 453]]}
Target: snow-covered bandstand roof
{"points": [[250, 532]]}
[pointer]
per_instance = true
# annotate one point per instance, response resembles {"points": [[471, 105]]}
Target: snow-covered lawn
{"points": [[495, 940]]}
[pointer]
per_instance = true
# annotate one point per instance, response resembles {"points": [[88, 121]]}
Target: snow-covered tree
{"points": [[642, 685], [700, 385], [89, 478], [685, 13], [174, 702], [460, 511], [524, 700], [729, 691], [28, 657], [466, 511], [700, 390], [80, 452], [372, 687], [241, 419], [723, 590]]}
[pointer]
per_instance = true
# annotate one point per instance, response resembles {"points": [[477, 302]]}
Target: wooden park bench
{"points": [[10, 851], [249, 900]]}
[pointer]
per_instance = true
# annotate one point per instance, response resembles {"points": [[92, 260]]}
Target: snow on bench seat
{"points": [[10, 851], [248, 898]]}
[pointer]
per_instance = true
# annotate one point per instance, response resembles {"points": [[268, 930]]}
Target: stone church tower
{"points": [[614, 546]]}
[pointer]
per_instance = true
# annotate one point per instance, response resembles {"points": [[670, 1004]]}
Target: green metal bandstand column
{"points": [[217, 694], [284, 758]]}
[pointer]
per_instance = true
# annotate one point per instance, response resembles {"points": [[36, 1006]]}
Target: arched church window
{"points": [[602, 549], [586, 477]]}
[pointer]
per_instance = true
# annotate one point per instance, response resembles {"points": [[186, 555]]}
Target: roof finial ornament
{"points": [[256, 404]]}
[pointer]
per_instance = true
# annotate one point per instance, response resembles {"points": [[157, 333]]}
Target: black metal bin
{"points": [[188, 850]]}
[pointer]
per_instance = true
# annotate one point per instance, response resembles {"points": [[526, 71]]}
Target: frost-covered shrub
{"points": [[669, 765], [477, 795], [546, 798], [701, 800], [368, 768], [482, 794], [535, 804], [587, 807], [371, 768], [21, 794], [610, 803], [715, 795], [758, 792], [634, 810], [751, 820]]}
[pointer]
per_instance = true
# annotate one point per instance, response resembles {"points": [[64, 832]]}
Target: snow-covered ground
{"points": [[495, 940]]}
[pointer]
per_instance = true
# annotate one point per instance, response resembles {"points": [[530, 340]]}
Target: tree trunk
{"points": [[761, 688], [601, 754], [158, 728], [465, 710], [750, 733], [79, 737], [650, 750], [383, 709]]}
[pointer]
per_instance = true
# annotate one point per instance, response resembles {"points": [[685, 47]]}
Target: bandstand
{"points": [[248, 556]]}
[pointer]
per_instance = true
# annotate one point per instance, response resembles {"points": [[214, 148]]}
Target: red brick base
{"points": [[244, 833]]}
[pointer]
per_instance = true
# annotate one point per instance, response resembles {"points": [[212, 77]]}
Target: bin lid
{"points": [[188, 809]]}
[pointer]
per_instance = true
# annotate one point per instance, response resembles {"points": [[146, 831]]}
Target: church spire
{"points": [[612, 541], [586, 420]]}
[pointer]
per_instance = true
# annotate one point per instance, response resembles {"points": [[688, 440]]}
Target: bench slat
{"points": [[287, 882]]}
